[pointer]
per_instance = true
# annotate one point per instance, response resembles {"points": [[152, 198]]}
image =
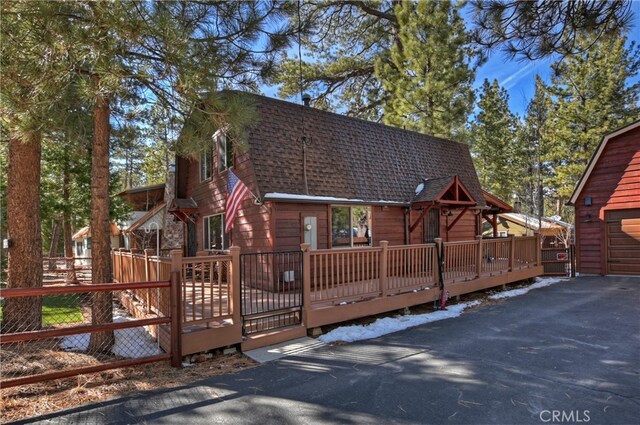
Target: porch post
{"points": [[479, 256], [538, 249], [176, 319], [306, 282], [176, 260], [439, 272], [512, 252], [384, 272], [235, 292]]}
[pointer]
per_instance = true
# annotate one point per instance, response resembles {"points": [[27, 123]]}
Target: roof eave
{"points": [[594, 159]]}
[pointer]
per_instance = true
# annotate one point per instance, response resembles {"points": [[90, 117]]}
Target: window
{"points": [[214, 235], [502, 234], [225, 152], [350, 226], [205, 165]]}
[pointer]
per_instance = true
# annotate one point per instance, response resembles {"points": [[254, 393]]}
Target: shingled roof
{"points": [[349, 158]]}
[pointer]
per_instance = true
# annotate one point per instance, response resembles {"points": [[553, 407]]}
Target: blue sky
{"points": [[518, 77]]}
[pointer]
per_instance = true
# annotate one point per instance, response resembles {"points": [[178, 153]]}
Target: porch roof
{"points": [[444, 191], [183, 209]]}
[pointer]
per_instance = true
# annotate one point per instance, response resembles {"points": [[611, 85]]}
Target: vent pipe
{"points": [[306, 99]]}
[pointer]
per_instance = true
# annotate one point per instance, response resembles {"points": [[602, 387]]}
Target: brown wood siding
{"points": [[463, 230], [251, 231], [288, 224], [388, 225], [614, 184]]}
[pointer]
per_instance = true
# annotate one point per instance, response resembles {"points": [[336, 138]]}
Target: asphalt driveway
{"points": [[568, 353]]}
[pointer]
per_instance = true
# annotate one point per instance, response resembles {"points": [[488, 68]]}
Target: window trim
{"points": [[206, 225], [350, 207], [206, 154], [228, 145]]}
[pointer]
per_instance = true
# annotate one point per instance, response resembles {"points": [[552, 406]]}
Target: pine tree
{"points": [[493, 141], [428, 72], [592, 96], [532, 147]]}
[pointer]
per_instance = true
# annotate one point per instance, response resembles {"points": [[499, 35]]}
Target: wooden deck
{"points": [[334, 286]]}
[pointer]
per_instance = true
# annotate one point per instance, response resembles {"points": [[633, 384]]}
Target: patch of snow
{"points": [[540, 283], [389, 325], [291, 196], [130, 343], [419, 188]]}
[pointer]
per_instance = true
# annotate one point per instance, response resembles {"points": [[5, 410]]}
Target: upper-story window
{"points": [[350, 226], [225, 152], [205, 165]]}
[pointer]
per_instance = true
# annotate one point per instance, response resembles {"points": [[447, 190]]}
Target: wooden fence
{"points": [[62, 333]]}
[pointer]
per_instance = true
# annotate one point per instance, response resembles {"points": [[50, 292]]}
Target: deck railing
{"points": [[344, 274], [411, 267], [206, 289], [460, 260], [377, 279]]}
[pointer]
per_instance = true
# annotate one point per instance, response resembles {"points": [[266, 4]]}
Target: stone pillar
{"points": [[172, 230]]}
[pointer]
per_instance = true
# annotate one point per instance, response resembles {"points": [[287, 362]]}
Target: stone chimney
{"points": [[173, 231]]}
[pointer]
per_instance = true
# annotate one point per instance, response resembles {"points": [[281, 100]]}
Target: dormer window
{"points": [[205, 165], [225, 152]]}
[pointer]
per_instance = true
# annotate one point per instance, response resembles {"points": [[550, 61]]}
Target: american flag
{"points": [[236, 192]]}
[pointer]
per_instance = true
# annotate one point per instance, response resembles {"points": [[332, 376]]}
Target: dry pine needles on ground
{"points": [[38, 399]]}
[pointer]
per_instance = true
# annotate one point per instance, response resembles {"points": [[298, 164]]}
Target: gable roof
{"points": [[596, 156], [445, 190], [347, 158]]}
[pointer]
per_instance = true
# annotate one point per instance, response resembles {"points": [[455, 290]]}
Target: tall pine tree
{"points": [[592, 96], [531, 149], [492, 141], [429, 71]]}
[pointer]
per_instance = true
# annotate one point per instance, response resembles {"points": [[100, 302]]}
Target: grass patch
{"points": [[59, 309]]}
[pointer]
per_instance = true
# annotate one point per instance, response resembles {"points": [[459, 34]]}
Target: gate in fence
{"points": [[271, 290], [559, 261]]}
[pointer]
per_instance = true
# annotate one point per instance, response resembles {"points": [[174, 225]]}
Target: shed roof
{"points": [[348, 158]]}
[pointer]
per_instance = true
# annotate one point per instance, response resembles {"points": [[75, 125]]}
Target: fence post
{"points": [[146, 265], [176, 320], [538, 250], [479, 256], [512, 252], [176, 260], [235, 290], [306, 281], [120, 261], [384, 269]]}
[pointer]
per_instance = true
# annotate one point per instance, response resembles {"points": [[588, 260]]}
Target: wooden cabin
{"points": [[607, 206], [554, 233], [328, 180]]}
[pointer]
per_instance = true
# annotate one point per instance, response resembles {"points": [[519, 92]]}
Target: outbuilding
{"points": [[607, 206]]}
